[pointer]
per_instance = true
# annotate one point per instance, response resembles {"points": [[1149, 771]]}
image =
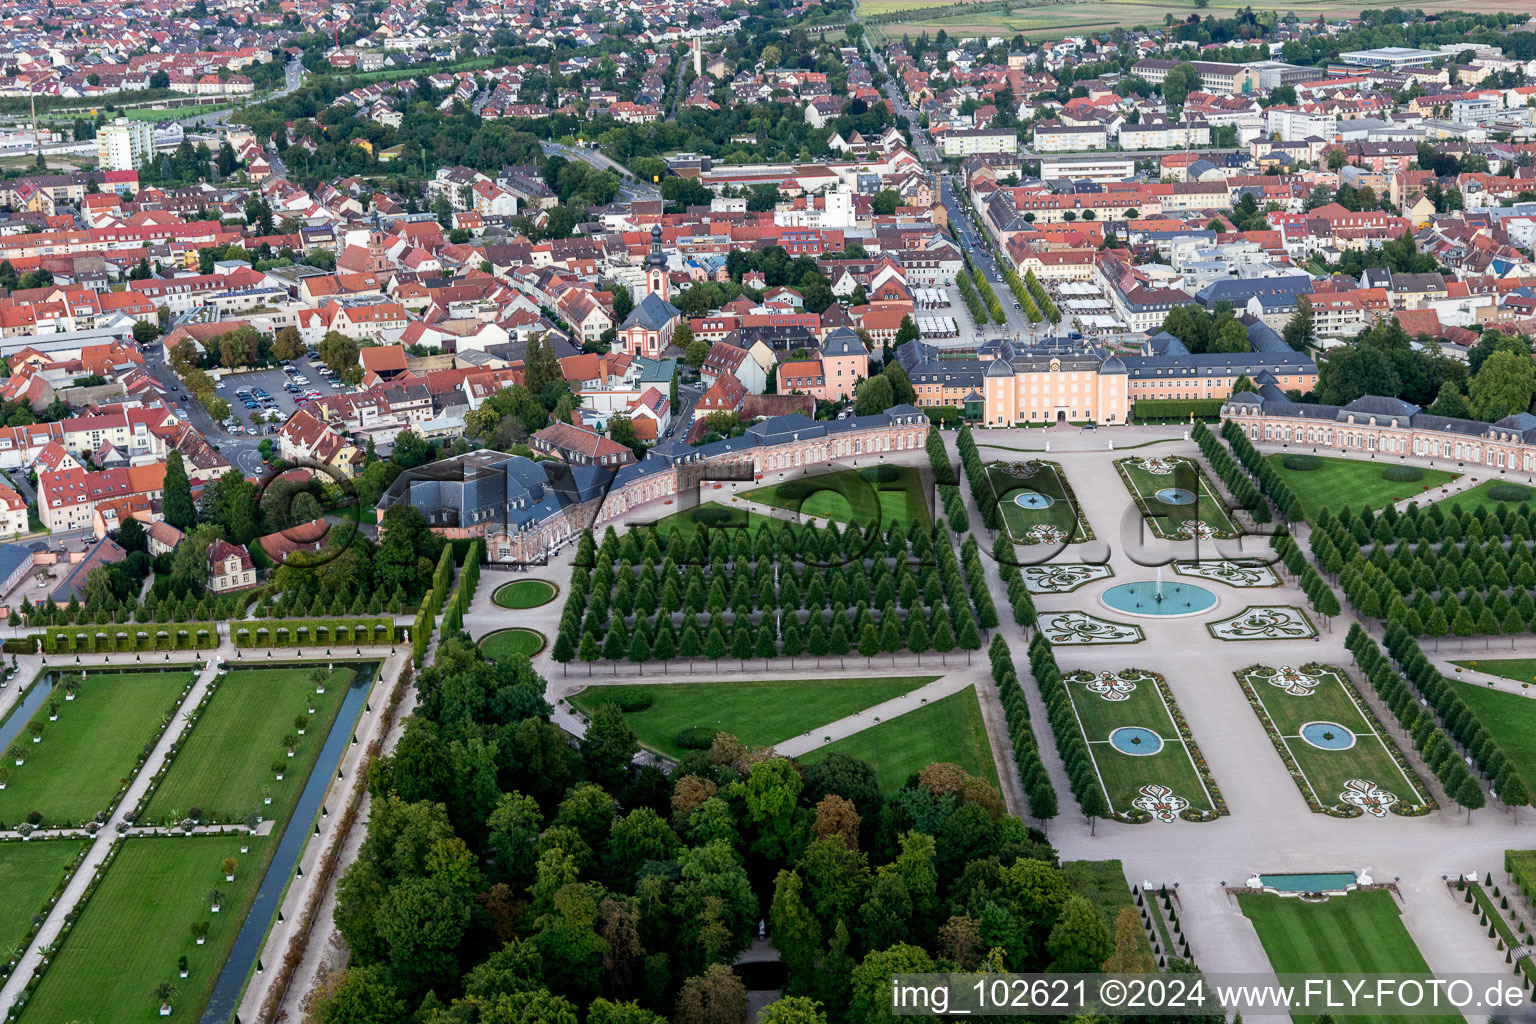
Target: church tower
{"points": [[656, 282]]}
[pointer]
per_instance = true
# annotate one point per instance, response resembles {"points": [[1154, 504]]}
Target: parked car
{"points": [[219, 385]]}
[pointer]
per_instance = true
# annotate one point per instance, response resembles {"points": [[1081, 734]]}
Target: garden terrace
{"points": [[1340, 759], [226, 765], [1435, 570], [1036, 503], [784, 590], [949, 730], [1358, 933], [140, 919], [878, 494], [672, 719], [1175, 499], [1146, 760], [101, 737]]}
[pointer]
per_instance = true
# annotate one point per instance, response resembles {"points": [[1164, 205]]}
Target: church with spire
{"points": [[647, 331]]}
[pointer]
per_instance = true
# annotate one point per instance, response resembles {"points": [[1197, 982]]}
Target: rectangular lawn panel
{"points": [[87, 754], [759, 714], [1353, 482], [1044, 478], [1509, 717], [225, 765], [139, 920], [1131, 698], [1345, 745], [1357, 933], [31, 871], [947, 730], [852, 495], [1167, 518]]}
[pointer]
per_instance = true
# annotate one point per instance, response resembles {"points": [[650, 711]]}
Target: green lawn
{"points": [[86, 756], [225, 765], [1167, 518], [31, 870], [1479, 495], [757, 713], [852, 495], [504, 643], [949, 729], [1142, 705], [1043, 478], [524, 594], [1509, 718], [711, 515], [1353, 482], [1358, 933], [1102, 883], [140, 920], [1325, 771]]}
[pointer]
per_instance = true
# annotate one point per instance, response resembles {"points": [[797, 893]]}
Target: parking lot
{"points": [[279, 401]]}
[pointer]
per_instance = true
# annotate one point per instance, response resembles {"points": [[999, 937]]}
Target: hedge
{"points": [[1176, 410], [314, 632], [103, 639]]}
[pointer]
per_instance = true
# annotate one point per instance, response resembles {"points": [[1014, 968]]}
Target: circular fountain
{"points": [[1136, 741], [1154, 598], [1032, 499]]}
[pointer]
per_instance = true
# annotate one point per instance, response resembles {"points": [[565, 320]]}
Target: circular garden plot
{"points": [[524, 594], [504, 643]]}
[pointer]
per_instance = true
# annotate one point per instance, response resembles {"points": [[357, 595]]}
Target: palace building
{"points": [[1389, 426], [527, 510], [1004, 383]]}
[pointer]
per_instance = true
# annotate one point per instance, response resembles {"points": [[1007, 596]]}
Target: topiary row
{"points": [[1026, 751], [1237, 481], [1324, 601], [1021, 292], [1482, 585], [1047, 307], [976, 474], [989, 297], [1268, 479], [972, 300], [1081, 774], [1457, 725], [1018, 591]]}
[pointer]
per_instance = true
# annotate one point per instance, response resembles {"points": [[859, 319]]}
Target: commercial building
{"points": [[1216, 77], [1101, 169], [1393, 58], [124, 145]]}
